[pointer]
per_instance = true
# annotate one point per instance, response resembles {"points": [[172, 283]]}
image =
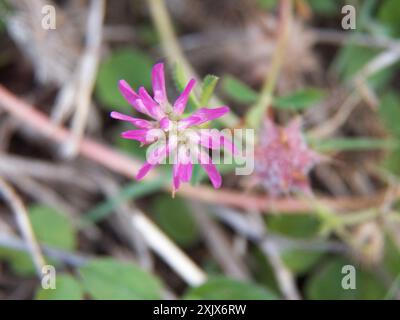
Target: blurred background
{"points": [[68, 197]]}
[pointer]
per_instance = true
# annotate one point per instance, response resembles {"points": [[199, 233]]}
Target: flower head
{"points": [[168, 132], [283, 159]]}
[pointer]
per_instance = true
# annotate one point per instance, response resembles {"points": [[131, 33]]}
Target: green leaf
{"points": [[261, 268], [267, 4], [123, 64], [19, 261], [300, 261], [353, 144], [326, 7], [4, 11], [296, 225], [197, 174], [392, 256], [300, 100], [389, 112], [52, 228], [173, 216], [327, 283], [110, 279], [207, 90], [238, 90], [392, 160], [67, 288], [388, 14], [352, 58], [222, 288]]}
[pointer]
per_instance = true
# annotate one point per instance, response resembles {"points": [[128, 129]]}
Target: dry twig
{"points": [[73, 259], [168, 251], [22, 219], [86, 75], [218, 244]]}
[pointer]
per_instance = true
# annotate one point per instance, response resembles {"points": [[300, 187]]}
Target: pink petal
{"points": [[180, 103], [153, 108], [215, 139], [213, 174], [133, 98], [229, 145], [140, 123], [165, 123], [185, 162], [202, 115], [186, 172], [210, 169], [176, 176], [172, 143], [182, 169], [181, 173], [159, 153], [158, 82], [139, 135], [144, 170], [129, 94], [210, 141], [141, 107]]}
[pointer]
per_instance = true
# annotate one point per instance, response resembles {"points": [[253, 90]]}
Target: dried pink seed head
{"points": [[283, 159]]}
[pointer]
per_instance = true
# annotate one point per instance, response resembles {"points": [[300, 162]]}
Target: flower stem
{"points": [[259, 109], [174, 53], [168, 38]]}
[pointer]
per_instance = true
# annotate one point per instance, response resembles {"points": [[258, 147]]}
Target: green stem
{"points": [[259, 109], [168, 38], [358, 217], [174, 53]]}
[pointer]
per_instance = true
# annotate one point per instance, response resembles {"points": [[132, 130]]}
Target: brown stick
{"points": [[24, 224], [128, 167]]}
